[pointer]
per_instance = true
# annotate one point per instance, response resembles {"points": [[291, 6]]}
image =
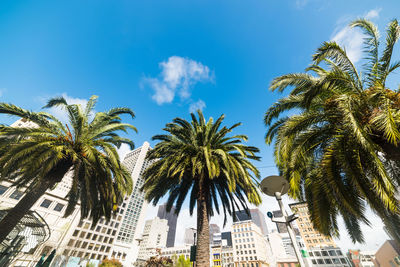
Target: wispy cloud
{"points": [[198, 105], [59, 112], [178, 76], [374, 13], [2, 91], [351, 38]]}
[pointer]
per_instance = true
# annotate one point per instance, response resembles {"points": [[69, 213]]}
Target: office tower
{"points": [[214, 229], [312, 238], [249, 244], [189, 236], [172, 218], [115, 238], [154, 236], [254, 215]]}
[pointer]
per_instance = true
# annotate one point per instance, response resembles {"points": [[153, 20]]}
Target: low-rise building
{"points": [[328, 257], [176, 251]]}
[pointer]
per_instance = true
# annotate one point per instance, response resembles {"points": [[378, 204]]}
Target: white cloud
{"points": [[301, 3], [178, 75], [60, 113], [352, 38], [374, 13], [123, 150], [197, 105]]}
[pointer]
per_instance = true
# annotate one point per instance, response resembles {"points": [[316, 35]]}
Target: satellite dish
{"points": [[272, 184]]}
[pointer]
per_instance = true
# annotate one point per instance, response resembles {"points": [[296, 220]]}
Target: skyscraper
{"points": [[254, 215], [172, 218], [311, 236], [115, 238]]}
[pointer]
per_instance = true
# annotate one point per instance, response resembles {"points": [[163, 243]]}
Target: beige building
{"points": [[249, 245], [388, 255], [312, 238], [154, 237]]}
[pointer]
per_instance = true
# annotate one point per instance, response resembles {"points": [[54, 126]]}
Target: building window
{"points": [[3, 189], [46, 203], [16, 195], [59, 207]]}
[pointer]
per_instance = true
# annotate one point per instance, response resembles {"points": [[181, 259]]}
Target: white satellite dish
{"points": [[272, 184]]}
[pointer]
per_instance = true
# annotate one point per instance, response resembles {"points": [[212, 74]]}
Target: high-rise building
{"points": [[51, 207], [189, 236], [172, 218], [154, 237], [115, 238], [214, 229], [226, 238], [311, 236], [254, 215], [249, 244]]}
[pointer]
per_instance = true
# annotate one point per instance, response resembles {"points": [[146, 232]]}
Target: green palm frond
{"points": [[340, 150]]}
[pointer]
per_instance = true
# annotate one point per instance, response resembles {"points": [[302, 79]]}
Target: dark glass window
{"points": [[46, 203], [3, 189], [59, 207], [16, 195]]}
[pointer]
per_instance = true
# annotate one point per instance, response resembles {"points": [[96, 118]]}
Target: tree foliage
{"points": [[39, 155], [340, 151], [110, 263], [199, 160]]}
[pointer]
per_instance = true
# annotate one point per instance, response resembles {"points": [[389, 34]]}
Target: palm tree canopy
{"points": [[340, 151], [197, 153], [87, 144]]}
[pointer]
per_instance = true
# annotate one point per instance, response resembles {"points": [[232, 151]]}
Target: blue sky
{"points": [[163, 58]]}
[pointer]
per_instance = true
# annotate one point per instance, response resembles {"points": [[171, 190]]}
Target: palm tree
{"points": [[340, 151], [200, 159], [38, 157]]}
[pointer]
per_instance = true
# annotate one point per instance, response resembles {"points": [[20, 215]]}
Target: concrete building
{"points": [[388, 255], [176, 251], [189, 236], [50, 207], [214, 229], [328, 257], [282, 251], [249, 245], [172, 218], [115, 238], [154, 237], [222, 256], [312, 238], [254, 215], [361, 258]]}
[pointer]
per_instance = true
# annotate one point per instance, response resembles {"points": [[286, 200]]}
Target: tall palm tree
{"points": [[200, 159], [340, 151], [38, 157]]}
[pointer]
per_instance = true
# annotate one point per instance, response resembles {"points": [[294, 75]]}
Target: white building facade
{"points": [[154, 237], [249, 245], [328, 257]]}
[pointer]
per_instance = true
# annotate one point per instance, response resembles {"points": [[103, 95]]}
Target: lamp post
{"points": [[277, 186]]}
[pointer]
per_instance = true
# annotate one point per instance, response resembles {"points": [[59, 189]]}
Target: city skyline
{"points": [[164, 60]]}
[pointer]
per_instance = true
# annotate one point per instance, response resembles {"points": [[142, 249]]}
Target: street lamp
{"points": [[276, 186]]}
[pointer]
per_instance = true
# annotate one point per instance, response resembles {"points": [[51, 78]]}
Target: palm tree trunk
{"points": [[203, 231], [12, 218]]}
